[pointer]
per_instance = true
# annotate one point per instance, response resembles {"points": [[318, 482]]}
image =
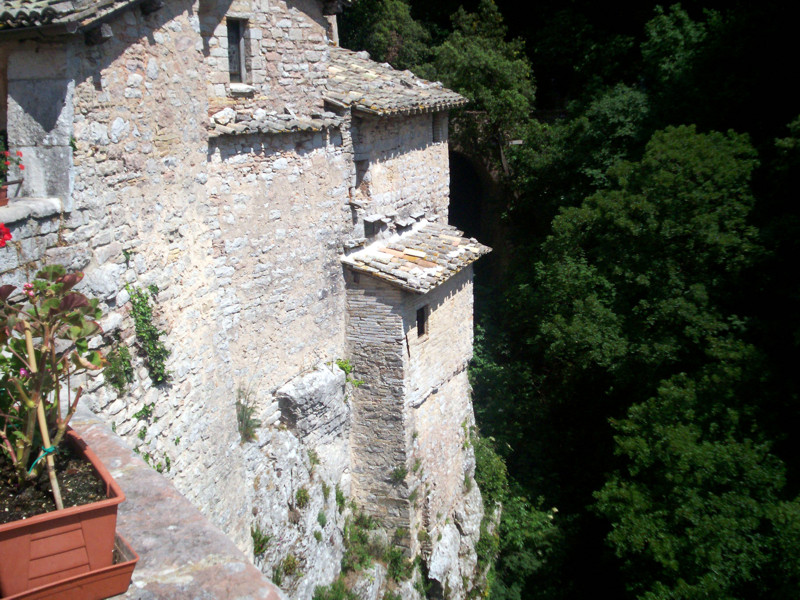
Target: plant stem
{"points": [[51, 472]]}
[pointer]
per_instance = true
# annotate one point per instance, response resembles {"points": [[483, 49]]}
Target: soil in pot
{"points": [[79, 485]]}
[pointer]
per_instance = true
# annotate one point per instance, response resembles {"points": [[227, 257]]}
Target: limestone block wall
{"points": [[281, 216], [400, 169], [442, 452], [39, 113], [241, 237], [285, 50], [375, 346], [446, 348], [412, 415]]}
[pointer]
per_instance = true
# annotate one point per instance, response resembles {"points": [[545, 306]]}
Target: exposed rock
{"points": [[370, 582], [313, 405]]}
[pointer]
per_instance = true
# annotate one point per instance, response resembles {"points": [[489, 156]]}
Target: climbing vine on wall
{"points": [[148, 335]]}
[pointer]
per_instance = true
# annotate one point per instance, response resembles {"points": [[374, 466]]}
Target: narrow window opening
{"points": [[362, 168], [356, 277], [439, 122], [236, 50], [422, 321]]}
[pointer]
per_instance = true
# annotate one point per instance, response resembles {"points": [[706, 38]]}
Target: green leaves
{"points": [[59, 323], [630, 278], [692, 511], [149, 335]]}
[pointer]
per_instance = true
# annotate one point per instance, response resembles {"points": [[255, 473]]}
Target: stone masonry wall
{"points": [[240, 236], [442, 460], [282, 214], [401, 171], [446, 349], [375, 346], [286, 51]]}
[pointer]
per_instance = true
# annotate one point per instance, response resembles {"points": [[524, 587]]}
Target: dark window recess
{"points": [[422, 321], [236, 50], [439, 127]]}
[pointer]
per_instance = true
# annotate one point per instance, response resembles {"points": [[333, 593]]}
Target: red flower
{"points": [[22, 167], [8, 162], [6, 153], [19, 153], [5, 235]]}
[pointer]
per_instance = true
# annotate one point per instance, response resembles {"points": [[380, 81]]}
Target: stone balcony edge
{"points": [[182, 554], [19, 209]]}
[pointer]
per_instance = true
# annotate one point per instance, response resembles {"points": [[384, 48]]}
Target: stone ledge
{"points": [[182, 555], [19, 209]]}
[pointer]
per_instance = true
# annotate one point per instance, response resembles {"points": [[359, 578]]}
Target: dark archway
{"points": [[467, 196]]}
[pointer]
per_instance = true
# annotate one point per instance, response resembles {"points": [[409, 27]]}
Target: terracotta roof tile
{"points": [[420, 259], [356, 81]]}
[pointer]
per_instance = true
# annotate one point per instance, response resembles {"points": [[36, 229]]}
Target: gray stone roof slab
{"points": [[18, 14], [418, 260], [362, 84], [232, 122]]}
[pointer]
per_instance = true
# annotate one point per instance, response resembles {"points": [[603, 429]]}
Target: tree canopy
{"points": [[637, 343]]}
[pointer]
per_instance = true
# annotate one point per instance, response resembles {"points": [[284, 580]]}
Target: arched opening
{"points": [[467, 197]]}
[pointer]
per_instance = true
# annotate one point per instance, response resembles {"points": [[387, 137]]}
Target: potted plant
{"points": [[44, 345], [8, 158]]}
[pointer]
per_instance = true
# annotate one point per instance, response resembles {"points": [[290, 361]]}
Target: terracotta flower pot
{"points": [[3, 194], [61, 544], [94, 585]]}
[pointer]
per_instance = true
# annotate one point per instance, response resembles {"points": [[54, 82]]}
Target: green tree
{"points": [[632, 281], [386, 29], [696, 511], [493, 72]]}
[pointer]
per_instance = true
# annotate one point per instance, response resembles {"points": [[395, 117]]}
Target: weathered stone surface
{"points": [[181, 554], [370, 582], [313, 405]]}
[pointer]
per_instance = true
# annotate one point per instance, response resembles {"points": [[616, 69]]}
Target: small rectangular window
{"points": [[422, 321], [439, 127], [236, 50]]}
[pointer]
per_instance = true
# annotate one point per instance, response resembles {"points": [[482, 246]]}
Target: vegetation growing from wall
{"points": [[147, 334], [245, 410], [119, 370], [260, 540]]}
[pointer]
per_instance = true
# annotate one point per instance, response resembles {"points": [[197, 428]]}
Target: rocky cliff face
{"points": [[299, 469]]}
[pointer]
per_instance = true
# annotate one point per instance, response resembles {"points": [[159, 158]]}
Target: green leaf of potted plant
{"points": [[44, 346]]}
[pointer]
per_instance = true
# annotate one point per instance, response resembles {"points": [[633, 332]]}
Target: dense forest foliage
{"points": [[636, 371]]}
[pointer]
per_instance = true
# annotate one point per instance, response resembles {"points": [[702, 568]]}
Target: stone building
{"points": [[286, 202]]}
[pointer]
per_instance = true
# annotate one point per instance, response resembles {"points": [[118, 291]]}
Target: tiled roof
{"points": [[37, 13], [233, 122], [355, 80], [420, 259]]}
